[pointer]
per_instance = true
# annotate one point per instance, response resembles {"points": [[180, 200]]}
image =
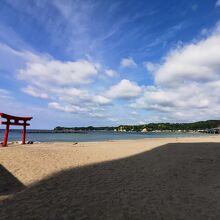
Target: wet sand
{"points": [[169, 178]]}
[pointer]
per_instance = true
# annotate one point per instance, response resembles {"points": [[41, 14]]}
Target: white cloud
{"points": [[66, 108], [30, 90], [71, 95], [179, 98], [77, 96], [124, 89], [101, 100], [85, 108], [217, 3], [194, 62], [50, 71], [111, 73], [63, 83], [128, 62], [187, 83], [70, 100]]}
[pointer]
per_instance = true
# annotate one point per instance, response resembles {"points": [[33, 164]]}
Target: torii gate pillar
{"points": [[14, 120]]}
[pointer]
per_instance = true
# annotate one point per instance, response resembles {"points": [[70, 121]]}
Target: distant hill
{"points": [[200, 125], [89, 128]]}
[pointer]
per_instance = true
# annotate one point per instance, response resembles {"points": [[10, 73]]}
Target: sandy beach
{"points": [[167, 178]]}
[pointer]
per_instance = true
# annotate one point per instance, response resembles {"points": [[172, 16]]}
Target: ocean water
{"points": [[15, 135]]}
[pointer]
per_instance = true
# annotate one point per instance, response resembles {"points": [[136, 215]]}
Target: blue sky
{"points": [[80, 63]]}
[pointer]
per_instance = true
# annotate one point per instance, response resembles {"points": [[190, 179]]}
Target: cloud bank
{"points": [[187, 82]]}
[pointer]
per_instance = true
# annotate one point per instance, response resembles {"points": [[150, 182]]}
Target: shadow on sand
{"points": [[8, 183], [174, 181]]}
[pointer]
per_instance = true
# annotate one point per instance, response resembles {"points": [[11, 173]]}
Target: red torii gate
{"points": [[14, 120]]}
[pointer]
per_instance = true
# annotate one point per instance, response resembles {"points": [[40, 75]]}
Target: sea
{"points": [[48, 136]]}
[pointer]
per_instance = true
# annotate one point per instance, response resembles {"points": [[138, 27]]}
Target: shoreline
{"points": [[135, 139], [197, 135]]}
